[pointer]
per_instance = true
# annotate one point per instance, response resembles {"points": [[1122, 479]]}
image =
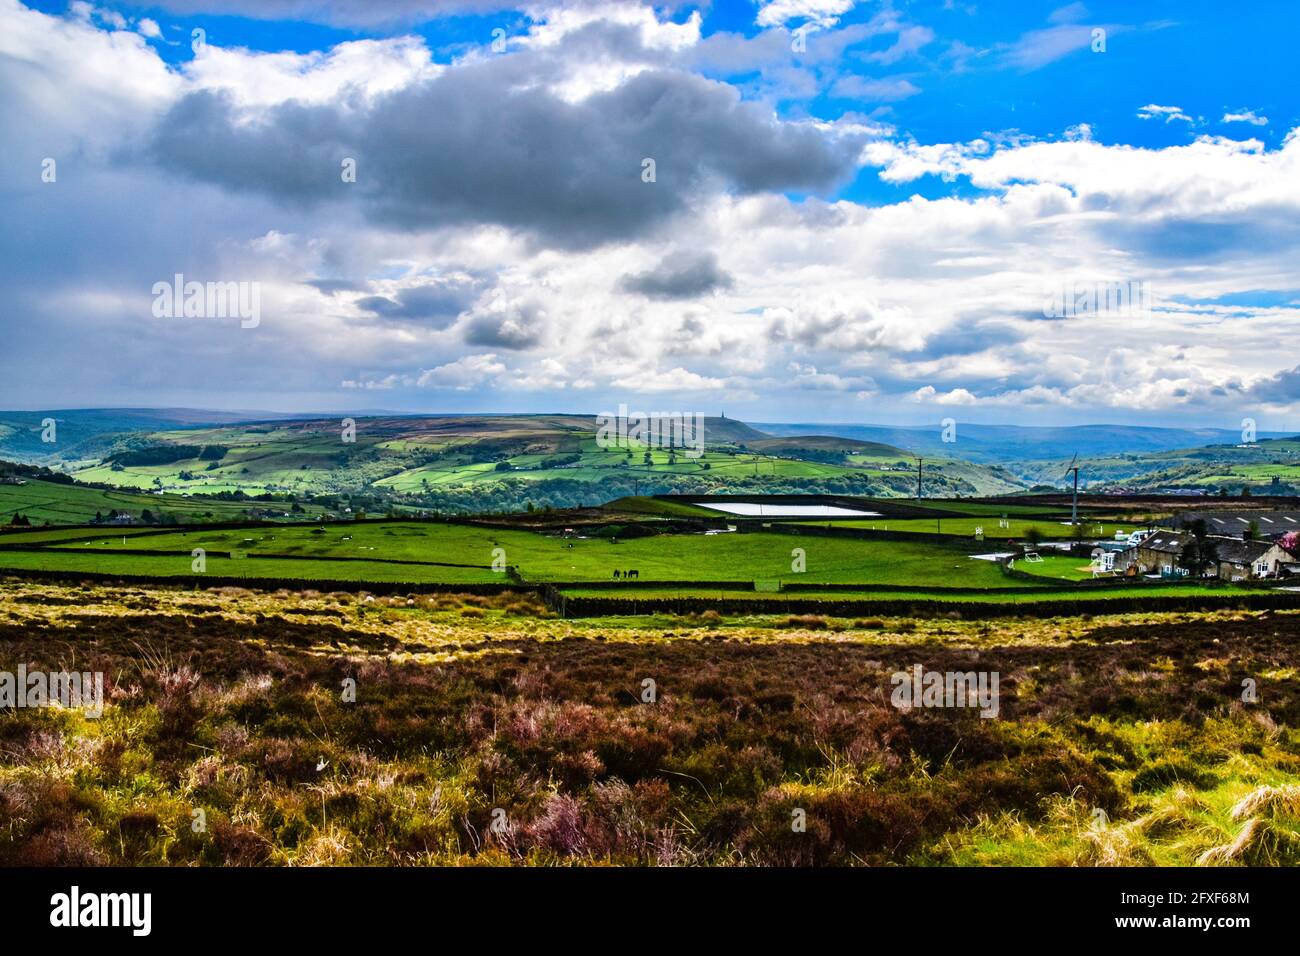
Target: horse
{"points": [[617, 575], [634, 574]]}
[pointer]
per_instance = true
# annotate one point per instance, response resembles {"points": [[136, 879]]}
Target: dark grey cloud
{"points": [[334, 286], [1282, 388], [475, 145], [518, 325], [680, 275], [1181, 240], [437, 303], [968, 339]]}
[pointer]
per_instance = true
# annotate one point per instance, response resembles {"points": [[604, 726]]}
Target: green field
{"points": [[180, 565], [421, 553], [1059, 566], [54, 535], [41, 501], [544, 558], [1017, 528]]}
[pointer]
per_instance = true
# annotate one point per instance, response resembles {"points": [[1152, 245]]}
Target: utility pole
{"points": [[1074, 509], [918, 478]]}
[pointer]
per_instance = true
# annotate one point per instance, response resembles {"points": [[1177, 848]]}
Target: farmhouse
{"points": [[1239, 560], [1154, 554]]}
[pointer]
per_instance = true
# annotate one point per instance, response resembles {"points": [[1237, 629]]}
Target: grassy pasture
{"points": [[180, 565], [542, 558], [1018, 528], [41, 501], [1060, 566]]}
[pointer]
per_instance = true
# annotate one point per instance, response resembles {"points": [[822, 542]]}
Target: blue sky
{"points": [[859, 208]]}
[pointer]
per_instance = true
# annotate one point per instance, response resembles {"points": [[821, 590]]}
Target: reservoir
{"points": [[756, 510]]}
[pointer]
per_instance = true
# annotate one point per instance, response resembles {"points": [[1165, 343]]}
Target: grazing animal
{"points": [[617, 575], [633, 574]]}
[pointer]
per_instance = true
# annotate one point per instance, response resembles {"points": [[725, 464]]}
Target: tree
{"points": [[1034, 536], [1200, 554]]}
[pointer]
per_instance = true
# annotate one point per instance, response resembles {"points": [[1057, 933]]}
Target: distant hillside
{"points": [[1270, 466], [1012, 444], [486, 463], [827, 443], [85, 433]]}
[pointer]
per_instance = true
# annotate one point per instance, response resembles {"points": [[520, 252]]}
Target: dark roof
{"points": [[1232, 550], [1237, 551], [1233, 522], [1171, 542]]}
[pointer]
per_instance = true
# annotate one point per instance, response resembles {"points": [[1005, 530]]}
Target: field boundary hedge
{"points": [[191, 582], [156, 553]]}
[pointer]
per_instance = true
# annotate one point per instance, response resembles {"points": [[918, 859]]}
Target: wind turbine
{"points": [[1074, 467]]}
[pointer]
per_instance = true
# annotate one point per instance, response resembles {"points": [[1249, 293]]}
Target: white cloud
{"points": [[1245, 116], [365, 67], [880, 91], [776, 13], [465, 373], [1168, 113], [1038, 48], [910, 39], [1068, 14], [673, 380]]}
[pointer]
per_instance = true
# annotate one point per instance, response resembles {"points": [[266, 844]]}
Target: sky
{"points": [[785, 210]]}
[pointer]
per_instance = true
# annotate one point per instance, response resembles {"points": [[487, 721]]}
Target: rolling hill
{"points": [[483, 463], [1269, 466], [1009, 444]]}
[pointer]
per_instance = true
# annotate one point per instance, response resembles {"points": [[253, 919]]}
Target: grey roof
{"points": [[1171, 542], [1238, 520], [1237, 551], [1232, 550]]}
